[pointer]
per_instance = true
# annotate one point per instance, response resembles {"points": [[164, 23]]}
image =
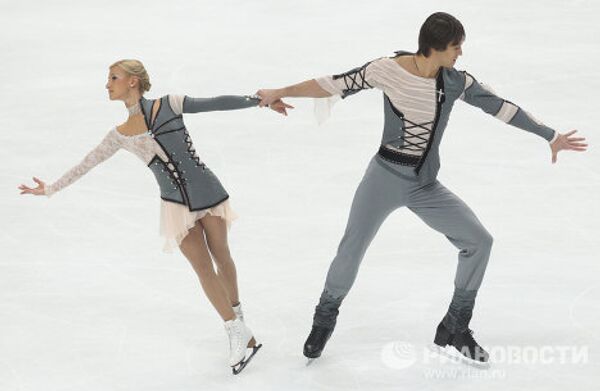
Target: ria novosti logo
{"points": [[402, 355], [398, 355]]}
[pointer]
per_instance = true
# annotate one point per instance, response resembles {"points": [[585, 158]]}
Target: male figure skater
{"points": [[419, 91]]}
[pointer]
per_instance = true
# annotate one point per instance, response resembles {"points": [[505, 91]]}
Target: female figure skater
{"points": [[419, 90], [195, 210]]}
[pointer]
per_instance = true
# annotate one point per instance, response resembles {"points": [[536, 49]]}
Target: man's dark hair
{"points": [[438, 31]]}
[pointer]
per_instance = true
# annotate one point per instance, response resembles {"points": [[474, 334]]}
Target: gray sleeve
{"points": [[219, 103], [479, 95]]}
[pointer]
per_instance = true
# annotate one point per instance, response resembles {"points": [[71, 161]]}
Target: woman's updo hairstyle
{"points": [[135, 68]]}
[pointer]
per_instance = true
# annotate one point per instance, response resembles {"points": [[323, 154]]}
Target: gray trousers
{"points": [[381, 192]]}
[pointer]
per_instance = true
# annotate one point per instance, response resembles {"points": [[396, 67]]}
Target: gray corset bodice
{"points": [[423, 166], [183, 178]]}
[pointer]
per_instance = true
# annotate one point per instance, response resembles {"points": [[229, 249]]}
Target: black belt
{"points": [[398, 157]]}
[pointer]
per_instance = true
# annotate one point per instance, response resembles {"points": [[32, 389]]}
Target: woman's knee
{"points": [[220, 253]]}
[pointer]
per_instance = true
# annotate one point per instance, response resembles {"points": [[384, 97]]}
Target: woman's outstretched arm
{"points": [[187, 104], [107, 147]]}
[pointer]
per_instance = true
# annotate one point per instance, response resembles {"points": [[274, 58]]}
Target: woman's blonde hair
{"points": [[135, 68]]}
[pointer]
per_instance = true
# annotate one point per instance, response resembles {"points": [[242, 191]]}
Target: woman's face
{"points": [[119, 84]]}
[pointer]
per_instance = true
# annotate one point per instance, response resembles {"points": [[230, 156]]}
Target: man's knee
{"points": [[480, 241], [485, 240]]}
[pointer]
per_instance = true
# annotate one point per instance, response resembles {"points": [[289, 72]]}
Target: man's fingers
{"points": [[571, 132], [261, 95], [266, 97]]}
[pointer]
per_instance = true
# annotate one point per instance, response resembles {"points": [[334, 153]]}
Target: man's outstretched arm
{"points": [[478, 95], [344, 84]]}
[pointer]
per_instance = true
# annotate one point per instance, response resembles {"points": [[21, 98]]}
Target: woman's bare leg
{"points": [[215, 230], [194, 247]]}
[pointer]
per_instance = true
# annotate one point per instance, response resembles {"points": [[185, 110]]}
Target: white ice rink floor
{"points": [[89, 302]]}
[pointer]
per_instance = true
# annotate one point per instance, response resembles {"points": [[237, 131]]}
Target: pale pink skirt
{"points": [[176, 220]]}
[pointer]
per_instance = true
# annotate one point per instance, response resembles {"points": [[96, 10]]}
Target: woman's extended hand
{"points": [[39, 190], [280, 106], [564, 141]]}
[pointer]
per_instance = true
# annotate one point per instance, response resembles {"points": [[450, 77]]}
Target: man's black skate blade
{"points": [[236, 369], [310, 360], [454, 355]]}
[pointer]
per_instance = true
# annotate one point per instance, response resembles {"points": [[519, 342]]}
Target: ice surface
{"points": [[89, 302]]}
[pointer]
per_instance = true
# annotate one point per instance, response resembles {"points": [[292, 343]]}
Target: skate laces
{"points": [[475, 351], [234, 330], [468, 333]]}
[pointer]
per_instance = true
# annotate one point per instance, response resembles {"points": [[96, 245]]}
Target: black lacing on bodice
{"points": [[354, 79], [191, 150], [417, 146]]}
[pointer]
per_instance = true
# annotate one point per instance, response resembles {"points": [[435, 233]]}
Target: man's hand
{"points": [[267, 97], [565, 141], [280, 107]]}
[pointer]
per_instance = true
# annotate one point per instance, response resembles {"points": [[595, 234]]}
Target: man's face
{"points": [[449, 56]]}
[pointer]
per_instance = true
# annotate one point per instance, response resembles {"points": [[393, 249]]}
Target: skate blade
{"points": [[239, 367], [454, 355]]}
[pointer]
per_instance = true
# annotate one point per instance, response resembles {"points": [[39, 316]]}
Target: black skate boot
{"points": [[324, 321], [315, 343], [462, 341]]}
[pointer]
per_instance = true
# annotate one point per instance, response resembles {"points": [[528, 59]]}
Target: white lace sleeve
{"points": [[109, 145]]}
